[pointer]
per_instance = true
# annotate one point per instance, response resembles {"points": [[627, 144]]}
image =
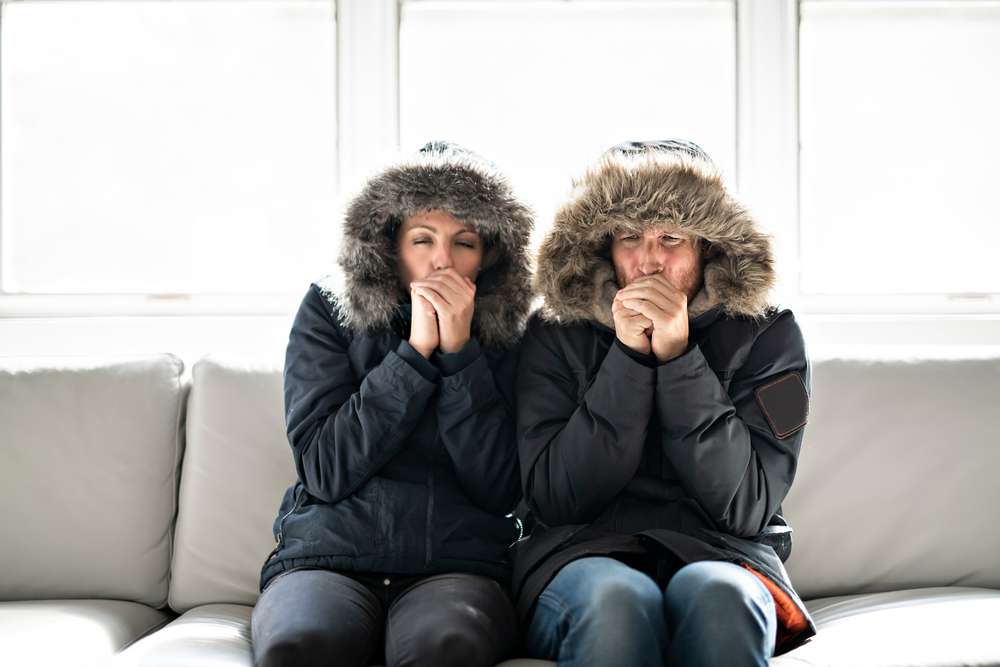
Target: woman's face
{"points": [[432, 240]]}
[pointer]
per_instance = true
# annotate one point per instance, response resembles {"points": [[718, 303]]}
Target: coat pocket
{"points": [[528, 553], [778, 538]]}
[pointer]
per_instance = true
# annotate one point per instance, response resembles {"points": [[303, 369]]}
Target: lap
{"points": [[590, 584], [310, 613], [467, 601], [579, 582], [451, 619], [699, 580], [314, 597]]}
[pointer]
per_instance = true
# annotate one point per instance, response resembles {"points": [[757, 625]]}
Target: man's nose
{"points": [[649, 261]]}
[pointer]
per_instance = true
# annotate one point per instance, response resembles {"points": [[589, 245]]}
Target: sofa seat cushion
{"points": [[919, 627], [72, 632], [940, 626], [213, 635]]}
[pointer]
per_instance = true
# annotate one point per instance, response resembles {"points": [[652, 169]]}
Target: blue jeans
{"points": [[599, 611]]}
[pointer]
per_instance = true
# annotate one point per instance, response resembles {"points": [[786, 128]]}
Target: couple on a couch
{"points": [[644, 423]]}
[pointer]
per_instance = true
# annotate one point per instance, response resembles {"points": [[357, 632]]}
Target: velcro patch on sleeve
{"points": [[785, 404]]}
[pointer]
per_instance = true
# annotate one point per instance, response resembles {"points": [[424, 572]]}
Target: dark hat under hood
{"points": [[637, 185], [443, 176]]}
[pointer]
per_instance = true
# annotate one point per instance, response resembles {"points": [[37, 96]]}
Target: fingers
{"points": [[659, 279], [442, 288], [647, 308], [621, 310], [652, 290], [642, 301], [630, 321], [421, 302], [641, 322], [461, 282], [435, 299], [450, 285]]}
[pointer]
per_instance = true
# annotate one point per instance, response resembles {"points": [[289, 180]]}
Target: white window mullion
{"points": [[767, 128], [368, 85]]}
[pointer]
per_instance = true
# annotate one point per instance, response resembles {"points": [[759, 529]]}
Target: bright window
{"points": [[542, 88], [899, 104], [151, 146]]}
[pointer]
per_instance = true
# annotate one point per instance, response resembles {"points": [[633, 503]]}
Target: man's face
{"points": [[661, 249]]}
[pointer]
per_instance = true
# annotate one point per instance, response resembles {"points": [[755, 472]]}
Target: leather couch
{"points": [[137, 495]]}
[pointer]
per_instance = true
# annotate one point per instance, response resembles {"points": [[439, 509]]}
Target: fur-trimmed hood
{"points": [[638, 185], [442, 175]]}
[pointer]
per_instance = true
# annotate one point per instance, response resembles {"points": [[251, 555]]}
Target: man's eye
{"points": [[671, 239], [630, 237]]}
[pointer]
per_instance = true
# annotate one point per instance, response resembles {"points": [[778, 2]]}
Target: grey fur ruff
{"points": [[367, 294], [575, 275]]}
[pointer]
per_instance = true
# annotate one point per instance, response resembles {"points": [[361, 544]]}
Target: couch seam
{"points": [[176, 470]]}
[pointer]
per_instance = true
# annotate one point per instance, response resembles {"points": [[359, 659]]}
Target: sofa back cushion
{"points": [[237, 464], [898, 482], [89, 457]]}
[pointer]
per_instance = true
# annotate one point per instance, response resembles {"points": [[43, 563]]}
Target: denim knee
{"points": [[618, 603], [718, 586], [719, 613]]}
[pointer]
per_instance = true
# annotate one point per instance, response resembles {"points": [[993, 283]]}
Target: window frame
{"points": [[767, 179]]}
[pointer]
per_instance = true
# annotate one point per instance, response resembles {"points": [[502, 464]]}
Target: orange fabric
{"points": [[791, 621]]}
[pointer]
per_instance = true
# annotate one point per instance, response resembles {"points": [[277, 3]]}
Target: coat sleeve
{"points": [[731, 455], [476, 424], [341, 431], [576, 453]]}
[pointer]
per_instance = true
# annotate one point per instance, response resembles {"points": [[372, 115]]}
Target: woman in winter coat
{"points": [[398, 388]]}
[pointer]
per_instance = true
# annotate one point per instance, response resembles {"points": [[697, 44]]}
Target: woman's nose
{"points": [[442, 259]]}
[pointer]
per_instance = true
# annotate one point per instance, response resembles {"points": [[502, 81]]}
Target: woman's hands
{"points": [[443, 304], [651, 314], [424, 335]]}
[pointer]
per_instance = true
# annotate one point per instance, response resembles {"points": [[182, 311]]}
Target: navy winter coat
{"points": [[404, 464]]}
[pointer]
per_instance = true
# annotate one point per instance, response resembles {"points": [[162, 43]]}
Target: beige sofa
{"points": [[137, 497]]}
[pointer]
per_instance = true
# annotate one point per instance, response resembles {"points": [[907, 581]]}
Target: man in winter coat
{"points": [[661, 409]]}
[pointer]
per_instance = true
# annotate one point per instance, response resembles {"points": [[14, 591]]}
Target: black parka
{"points": [[689, 459], [404, 464]]}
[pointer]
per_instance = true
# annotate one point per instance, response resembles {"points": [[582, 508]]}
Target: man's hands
{"points": [[443, 304], [651, 315]]}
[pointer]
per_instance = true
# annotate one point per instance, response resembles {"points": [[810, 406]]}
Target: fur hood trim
{"points": [[368, 293], [637, 186]]}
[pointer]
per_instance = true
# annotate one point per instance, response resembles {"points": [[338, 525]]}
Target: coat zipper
{"points": [[295, 506], [430, 515]]}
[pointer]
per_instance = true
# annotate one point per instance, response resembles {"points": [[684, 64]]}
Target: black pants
{"points": [[319, 617]]}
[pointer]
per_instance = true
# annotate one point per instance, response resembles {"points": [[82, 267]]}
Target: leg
{"points": [[719, 614], [315, 617], [457, 619], [599, 611]]}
